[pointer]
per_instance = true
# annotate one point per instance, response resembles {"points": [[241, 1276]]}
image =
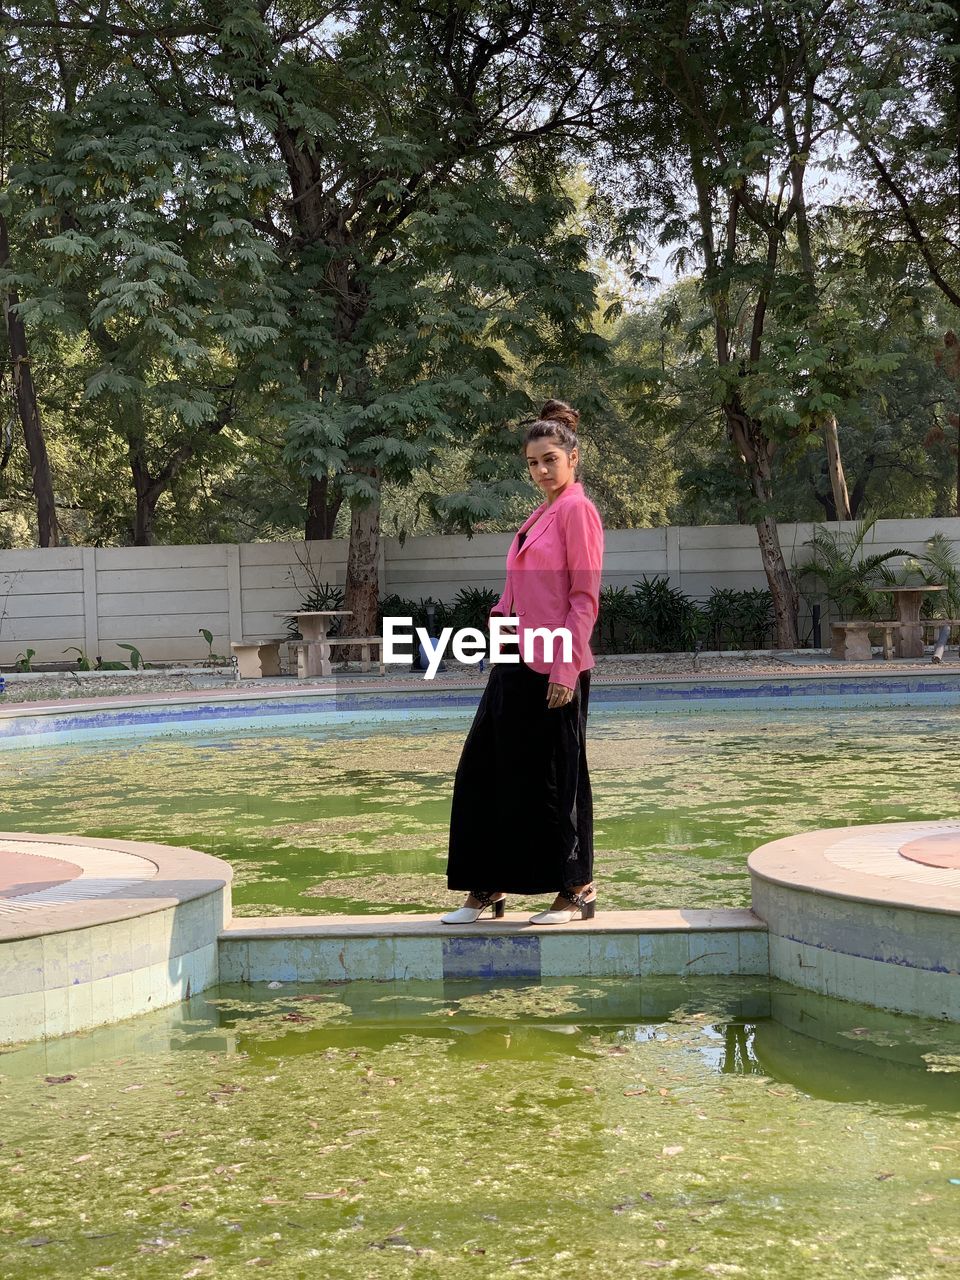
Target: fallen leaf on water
{"points": [[633, 1093]]}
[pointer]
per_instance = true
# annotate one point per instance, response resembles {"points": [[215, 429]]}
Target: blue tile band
{"points": [[491, 958], [340, 708]]}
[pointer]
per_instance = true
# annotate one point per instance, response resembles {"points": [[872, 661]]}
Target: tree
{"points": [[897, 96], [17, 123], [422, 234], [736, 121]]}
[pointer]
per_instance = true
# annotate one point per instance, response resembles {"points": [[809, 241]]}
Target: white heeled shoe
{"points": [[579, 902], [469, 915]]}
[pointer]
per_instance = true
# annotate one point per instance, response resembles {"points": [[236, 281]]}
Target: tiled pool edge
{"points": [[829, 915], [856, 936], [76, 965], [400, 948], [250, 709]]}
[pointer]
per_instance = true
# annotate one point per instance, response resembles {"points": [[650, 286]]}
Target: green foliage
{"points": [[23, 660], [395, 606], [321, 597], [616, 605], [83, 662], [471, 608], [362, 252], [738, 619], [662, 619], [211, 656], [849, 578], [136, 658], [655, 617], [941, 567]]}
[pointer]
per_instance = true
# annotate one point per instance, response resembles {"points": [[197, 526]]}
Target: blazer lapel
{"points": [[544, 516], [543, 522]]}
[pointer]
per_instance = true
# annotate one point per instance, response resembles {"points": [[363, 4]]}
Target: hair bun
{"points": [[560, 411]]}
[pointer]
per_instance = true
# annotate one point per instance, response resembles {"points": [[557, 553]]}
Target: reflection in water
{"points": [[569, 1129]]}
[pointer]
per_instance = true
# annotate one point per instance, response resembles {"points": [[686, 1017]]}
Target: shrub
{"points": [[662, 618], [320, 597]]}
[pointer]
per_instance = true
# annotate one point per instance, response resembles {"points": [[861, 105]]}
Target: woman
{"points": [[522, 817]]}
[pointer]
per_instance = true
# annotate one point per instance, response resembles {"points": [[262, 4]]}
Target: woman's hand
{"points": [[558, 695]]}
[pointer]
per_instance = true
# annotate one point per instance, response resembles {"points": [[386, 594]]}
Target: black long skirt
{"points": [[522, 817]]}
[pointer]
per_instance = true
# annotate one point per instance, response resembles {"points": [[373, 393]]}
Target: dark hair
{"points": [[557, 421]]}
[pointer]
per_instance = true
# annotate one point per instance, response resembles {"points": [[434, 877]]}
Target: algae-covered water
{"points": [[340, 818], [600, 1129]]}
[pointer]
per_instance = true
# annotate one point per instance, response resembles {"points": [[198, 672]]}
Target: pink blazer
{"points": [[553, 580]]}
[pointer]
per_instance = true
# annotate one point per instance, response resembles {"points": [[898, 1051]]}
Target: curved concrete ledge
{"points": [[133, 927], [849, 916]]}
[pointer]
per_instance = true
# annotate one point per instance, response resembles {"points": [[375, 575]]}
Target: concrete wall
{"points": [[158, 598]]}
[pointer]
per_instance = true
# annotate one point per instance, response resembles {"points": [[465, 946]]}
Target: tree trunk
{"points": [[147, 493], [778, 579], [144, 516], [363, 576], [28, 410], [322, 509], [755, 450], [838, 482]]}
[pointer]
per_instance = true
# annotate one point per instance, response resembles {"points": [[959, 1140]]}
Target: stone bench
{"points": [[313, 656], [851, 640], [257, 658]]}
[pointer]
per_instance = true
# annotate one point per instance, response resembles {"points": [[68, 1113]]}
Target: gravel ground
{"points": [[57, 686]]}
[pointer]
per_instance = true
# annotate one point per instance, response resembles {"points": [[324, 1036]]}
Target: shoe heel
{"points": [[498, 908], [588, 910]]}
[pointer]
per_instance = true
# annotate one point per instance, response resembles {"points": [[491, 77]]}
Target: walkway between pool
{"points": [[93, 931], [398, 947]]}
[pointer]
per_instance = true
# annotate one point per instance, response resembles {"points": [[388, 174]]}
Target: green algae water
{"points": [[354, 819], [602, 1128]]}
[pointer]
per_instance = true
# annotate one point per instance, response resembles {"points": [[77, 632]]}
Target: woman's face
{"points": [[551, 467]]}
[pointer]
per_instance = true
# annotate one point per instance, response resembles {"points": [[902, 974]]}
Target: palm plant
{"points": [[939, 567], [849, 578]]}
